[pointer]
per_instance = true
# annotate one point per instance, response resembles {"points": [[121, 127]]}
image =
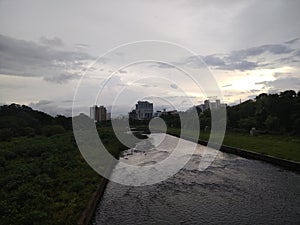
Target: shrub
{"points": [[272, 123], [6, 134], [52, 130]]}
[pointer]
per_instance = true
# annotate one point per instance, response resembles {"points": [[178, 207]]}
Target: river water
{"points": [[233, 190]]}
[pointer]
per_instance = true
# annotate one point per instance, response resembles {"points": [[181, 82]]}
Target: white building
{"points": [[144, 110], [211, 105]]}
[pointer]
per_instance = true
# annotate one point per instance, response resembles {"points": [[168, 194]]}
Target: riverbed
{"points": [[233, 190]]}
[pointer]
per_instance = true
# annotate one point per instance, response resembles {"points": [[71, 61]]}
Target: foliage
{"points": [[272, 123], [52, 130], [24, 121], [247, 123], [43, 177]]}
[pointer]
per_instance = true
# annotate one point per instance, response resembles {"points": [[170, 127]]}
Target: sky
{"points": [[59, 54]]}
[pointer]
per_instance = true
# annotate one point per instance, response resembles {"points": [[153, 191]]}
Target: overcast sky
{"points": [[249, 46]]}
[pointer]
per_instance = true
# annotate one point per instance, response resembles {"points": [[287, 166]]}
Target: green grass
{"points": [[281, 146]]}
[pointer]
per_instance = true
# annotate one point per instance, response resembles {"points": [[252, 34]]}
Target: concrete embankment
{"points": [[288, 164], [88, 213]]}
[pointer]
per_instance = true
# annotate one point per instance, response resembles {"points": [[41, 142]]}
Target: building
{"points": [[108, 116], [98, 113], [143, 111], [157, 113], [211, 105], [102, 113]]}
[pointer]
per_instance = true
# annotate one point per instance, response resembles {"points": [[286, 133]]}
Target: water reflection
{"points": [[233, 190]]}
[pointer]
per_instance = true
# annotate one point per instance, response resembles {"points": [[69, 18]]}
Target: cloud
{"points": [[149, 85], [254, 90], [258, 57], [242, 60], [283, 83], [229, 63], [292, 41], [54, 42], [174, 86], [62, 78], [164, 65], [41, 103], [27, 58], [122, 71], [262, 82], [214, 60], [228, 85], [53, 107], [251, 96], [81, 45]]}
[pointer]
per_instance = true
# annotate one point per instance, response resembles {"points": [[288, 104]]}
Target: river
{"points": [[233, 190]]}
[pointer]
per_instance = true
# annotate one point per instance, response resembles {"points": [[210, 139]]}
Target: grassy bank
{"points": [[45, 180], [281, 146]]}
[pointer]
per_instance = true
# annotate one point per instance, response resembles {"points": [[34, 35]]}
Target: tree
{"points": [[272, 123], [52, 130], [296, 126], [6, 134], [247, 123]]}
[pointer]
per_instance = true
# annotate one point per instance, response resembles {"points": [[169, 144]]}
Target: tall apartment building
{"points": [[98, 113]]}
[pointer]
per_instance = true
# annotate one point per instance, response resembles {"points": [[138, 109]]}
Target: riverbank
{"points": [[45, 180], [233, 190], [279, 150], [115, 147]]}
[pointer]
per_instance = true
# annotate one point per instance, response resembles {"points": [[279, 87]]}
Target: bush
{"points": [[247, 123], [296, 126], [272, 123], [52, 130], [6, 134]]}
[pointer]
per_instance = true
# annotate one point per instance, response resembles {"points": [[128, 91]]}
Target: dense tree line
{"points": [[20, 120], [43, 177], [267, 112]]}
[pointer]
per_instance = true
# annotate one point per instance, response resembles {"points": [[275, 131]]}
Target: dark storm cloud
{"points": [[242, 60], [27, 58]]}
